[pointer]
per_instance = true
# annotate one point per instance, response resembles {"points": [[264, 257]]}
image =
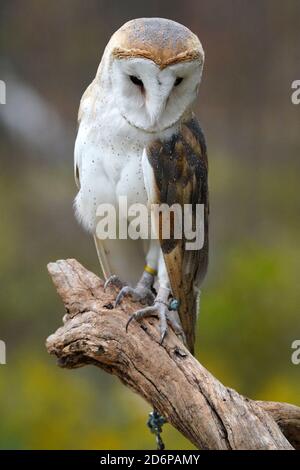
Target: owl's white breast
{"points": [[108, 154]]}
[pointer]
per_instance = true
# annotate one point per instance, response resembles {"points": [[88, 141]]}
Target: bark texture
{"points": [[209, 414]]}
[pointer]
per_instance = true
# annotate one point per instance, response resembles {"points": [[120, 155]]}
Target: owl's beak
{"points": [[157, 97], [155, 113], [155, 109]]}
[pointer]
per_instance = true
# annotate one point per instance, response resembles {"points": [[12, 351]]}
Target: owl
{"points": [[138, 137]]}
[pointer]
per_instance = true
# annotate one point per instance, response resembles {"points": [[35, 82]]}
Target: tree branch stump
{"points": [[206, 412]]}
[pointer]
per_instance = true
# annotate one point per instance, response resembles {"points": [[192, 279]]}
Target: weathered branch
{"points": [[209, 414]]}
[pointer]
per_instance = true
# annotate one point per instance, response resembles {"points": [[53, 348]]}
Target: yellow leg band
{"points": [[150, 270]]}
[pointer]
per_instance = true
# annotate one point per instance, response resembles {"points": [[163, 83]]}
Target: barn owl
{"points": [[138, 137]]}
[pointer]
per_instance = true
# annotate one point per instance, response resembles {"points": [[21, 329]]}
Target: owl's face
{"points": [[152, 68], [151, 98]]}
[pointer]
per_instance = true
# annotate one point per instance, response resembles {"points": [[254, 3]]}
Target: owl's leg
{"points": [[161, 305], [142, 292]]}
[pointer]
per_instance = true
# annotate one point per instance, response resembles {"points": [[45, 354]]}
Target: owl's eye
{"points": [[136, 81], [178, 81]]}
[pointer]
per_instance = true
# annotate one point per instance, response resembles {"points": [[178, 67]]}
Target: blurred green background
{"points": [[49, 52]]}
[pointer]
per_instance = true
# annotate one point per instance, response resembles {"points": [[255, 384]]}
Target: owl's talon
{"points": [[162, 336], [129, 321], [159, 309], [115, 281], [140, 293], [123, 292], [140, 314]]}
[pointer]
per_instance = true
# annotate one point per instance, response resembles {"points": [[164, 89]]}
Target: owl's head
{"points": [[154, 70]]}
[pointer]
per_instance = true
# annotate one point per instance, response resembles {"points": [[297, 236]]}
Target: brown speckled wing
{"points": [[180, 175]]}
